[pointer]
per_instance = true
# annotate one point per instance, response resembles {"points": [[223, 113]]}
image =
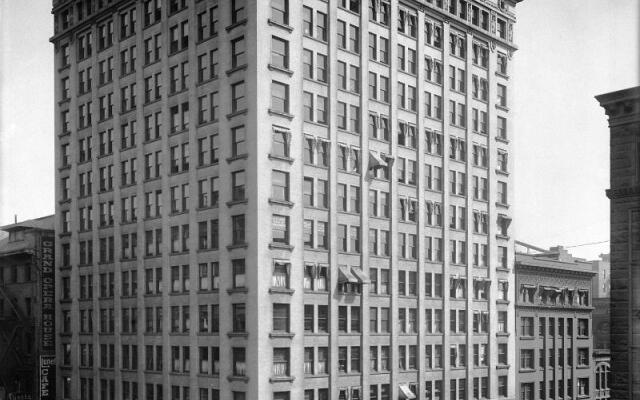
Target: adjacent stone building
{"points": [[601, 289], [21, 307], [623, 110], [284, 199], [601, 295], [554, 331]]}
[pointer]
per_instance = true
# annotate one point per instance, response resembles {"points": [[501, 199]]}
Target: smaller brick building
{"points": [[554, 338], [21, 306]]}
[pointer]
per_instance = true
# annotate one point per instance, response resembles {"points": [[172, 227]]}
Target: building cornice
{"points": [[543, 307], [620, 193], [622, 106], [446, 17], [553, 269], [90, 20], [442, 14], [17, 252]]}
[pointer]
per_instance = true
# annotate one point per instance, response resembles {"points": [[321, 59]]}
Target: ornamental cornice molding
{"points": [[619, 193]]}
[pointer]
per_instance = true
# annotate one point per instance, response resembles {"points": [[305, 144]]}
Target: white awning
{"points": [[279, 129], [345, 275], [375, 161], [362, 277], [406, 392]]}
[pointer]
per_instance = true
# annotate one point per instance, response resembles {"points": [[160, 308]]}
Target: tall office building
{"points": [[284, 199], [623, 111]]}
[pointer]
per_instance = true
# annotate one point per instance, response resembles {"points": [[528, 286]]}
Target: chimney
{"points": [[562, 254], [15, 218]]}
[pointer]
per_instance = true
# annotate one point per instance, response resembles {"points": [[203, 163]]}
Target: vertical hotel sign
{"points": [[48, 326]]}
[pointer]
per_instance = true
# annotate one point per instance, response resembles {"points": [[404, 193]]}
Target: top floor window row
{"points": [[379, 11], [407, 23]]}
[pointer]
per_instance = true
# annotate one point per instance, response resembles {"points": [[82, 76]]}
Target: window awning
{"points": [[279, 129], [376, 161], [311, 270], [527, 286], [503, 218], [552, 289], [345, 275], [362, 277], [406, 392]]}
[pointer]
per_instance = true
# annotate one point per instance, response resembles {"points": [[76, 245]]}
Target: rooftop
{"points": [[44, 223], [556, 257]]}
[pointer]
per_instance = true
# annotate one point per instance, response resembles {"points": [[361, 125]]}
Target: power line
{"points": [[586, 244]]}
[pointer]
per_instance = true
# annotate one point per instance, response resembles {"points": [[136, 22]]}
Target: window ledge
{"points": [[238, 290], [280, 69], [502, 75], [237, 246], [348, 294], [281, 335], [237, 68], [280, 246], [282, 114], [237, 113], [238, 334], [275, 379], [204, 291], [500, 301], [281, 158], [236, 202], [236, 24], [237, 378], [502, 366], [279, 25], [237, 157], [277, 290], [501, 107], [503, 334], [285, 203], [310, 291], [503, 269], [503, 205], [504, 237], [501, 172]]}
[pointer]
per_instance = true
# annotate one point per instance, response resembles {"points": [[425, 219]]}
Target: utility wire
{"points": [[586, 244]]}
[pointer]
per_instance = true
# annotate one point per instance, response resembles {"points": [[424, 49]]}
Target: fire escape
{"points": [[16, 329]]}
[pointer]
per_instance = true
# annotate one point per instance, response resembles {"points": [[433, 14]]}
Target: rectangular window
{"points": [[279, 97]]}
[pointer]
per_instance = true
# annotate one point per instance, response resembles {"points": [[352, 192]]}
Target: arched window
{"points": [[602, 376]]}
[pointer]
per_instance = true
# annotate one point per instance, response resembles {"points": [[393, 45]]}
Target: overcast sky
{"points": [[570, 51]]}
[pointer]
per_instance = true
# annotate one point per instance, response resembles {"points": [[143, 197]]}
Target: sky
{"points": [[569, 51]]}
